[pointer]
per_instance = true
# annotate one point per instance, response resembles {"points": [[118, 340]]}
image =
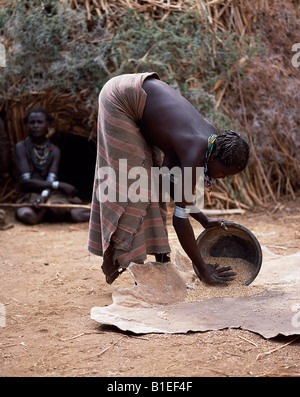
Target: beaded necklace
{"points": [[209, 182], [39, 153]]}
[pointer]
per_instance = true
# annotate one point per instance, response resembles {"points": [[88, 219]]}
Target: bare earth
{"points": [[49, 283]]}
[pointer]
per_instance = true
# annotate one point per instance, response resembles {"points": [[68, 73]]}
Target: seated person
{"points": [[37, 161]]}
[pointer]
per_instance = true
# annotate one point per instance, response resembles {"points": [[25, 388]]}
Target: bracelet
{"points": [[51, 177], [181, 212], [45, 193], [26, 176], [55, 185]]}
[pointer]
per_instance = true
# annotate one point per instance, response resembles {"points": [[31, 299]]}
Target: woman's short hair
{"points": [[231, 149], [39, 109]]}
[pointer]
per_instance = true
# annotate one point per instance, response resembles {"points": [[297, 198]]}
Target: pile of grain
{"points": [[236, 288]]}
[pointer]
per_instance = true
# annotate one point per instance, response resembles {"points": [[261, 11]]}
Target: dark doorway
{"points": [[77, 167]]}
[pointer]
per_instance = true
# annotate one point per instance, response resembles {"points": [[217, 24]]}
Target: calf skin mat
{"points": [[156, 302]]}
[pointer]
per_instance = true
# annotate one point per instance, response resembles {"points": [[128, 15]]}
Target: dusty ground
{"points": [[49, 283]]}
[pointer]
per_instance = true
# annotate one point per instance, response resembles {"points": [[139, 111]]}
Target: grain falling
{"points": [[236, 288]]}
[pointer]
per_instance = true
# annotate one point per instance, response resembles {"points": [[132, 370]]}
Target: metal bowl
{"points": [[235, 242]]}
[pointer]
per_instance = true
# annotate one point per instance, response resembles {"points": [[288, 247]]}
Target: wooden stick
{"points": [[260, 355], [248, 340], [105, 350], [222, 197], [88, 207], [45, 205], [223, 212]]}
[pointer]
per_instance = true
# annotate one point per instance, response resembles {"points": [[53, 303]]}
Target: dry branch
{"points": [[260, 355], [46, 205]]}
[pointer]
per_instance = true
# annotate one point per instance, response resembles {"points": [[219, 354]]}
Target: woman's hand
{"points": [[213, 222], [207, 222], [38, 201], [212, 274]]}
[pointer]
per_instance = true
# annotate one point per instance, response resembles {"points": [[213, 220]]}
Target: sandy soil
{"points": [[49, 283]]}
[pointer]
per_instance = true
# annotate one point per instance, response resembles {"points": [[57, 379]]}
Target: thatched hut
{"points": [[231, 59]]}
